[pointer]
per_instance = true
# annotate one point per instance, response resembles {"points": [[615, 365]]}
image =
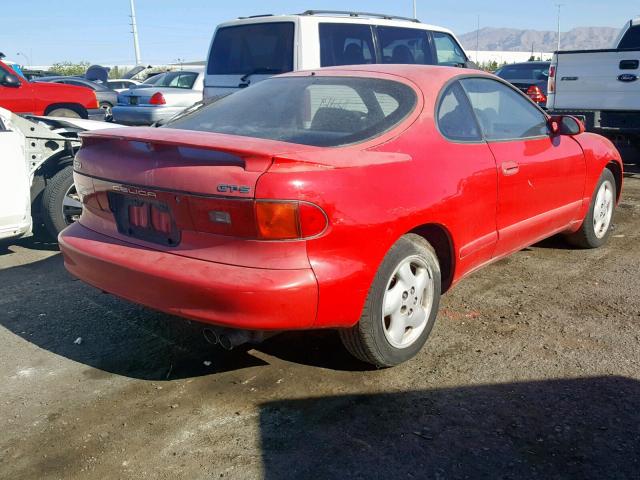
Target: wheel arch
{"points": [[440, 239], [616, 169], [76, 107]]}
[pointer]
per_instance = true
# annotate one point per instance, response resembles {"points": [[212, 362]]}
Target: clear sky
{"points": [[98, 31]]}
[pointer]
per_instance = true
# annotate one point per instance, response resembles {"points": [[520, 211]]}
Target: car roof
{"points": [[425, 76], [320, 16], [519, 64]]}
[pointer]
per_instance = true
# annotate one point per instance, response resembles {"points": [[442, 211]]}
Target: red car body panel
{"points": [[37, 97], [481, 200]]}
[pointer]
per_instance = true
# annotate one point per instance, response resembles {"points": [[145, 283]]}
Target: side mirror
{"points": [[565, 125], [10, 80]]}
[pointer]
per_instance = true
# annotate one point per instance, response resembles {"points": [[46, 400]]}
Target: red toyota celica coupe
{"points": [[346, 198]]}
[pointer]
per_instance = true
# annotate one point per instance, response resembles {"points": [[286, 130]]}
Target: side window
{"points": [[631, 39], [455, 118], [345, 44], [404, 45], [447, 50], [3, 74], [503, 113]]}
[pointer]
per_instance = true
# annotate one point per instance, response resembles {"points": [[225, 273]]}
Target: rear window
{"points": [[631, 39], [257, 48], [176, 80], [319, 111], [536, 72]]}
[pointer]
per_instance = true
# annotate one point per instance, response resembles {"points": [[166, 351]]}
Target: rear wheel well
{"points": [[440, 240], [617, 174], [79, 109]]}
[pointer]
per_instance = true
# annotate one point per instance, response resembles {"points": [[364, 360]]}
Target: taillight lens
{"points": [[536, 94], [257, 219], [551, 85], [157, 99]]}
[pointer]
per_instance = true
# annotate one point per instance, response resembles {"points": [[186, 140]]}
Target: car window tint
{"points": [[177, 80], [524, 72], [455, 118], [503, 113], [447, 50], [254, 48], [631, 39], [404, 45], [345, 44], [320, 111]]}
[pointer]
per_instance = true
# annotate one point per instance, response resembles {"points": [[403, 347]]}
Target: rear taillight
{"points": [[551, 85], [536, 94], [257, 219], [157, 99]]}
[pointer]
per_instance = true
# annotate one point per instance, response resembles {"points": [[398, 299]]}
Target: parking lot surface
{"points": [[532, 371]]}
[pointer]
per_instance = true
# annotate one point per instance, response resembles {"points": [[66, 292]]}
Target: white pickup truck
{"points": [[602, 87]]}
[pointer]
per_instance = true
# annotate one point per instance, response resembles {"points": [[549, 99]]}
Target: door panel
{"points": [[15, 202], [540, 177], [540, 185]]}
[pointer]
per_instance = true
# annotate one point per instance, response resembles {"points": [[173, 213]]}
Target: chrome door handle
{"points": [[510, 168]]}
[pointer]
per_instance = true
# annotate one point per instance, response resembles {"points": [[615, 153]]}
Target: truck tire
{"points": [[63, 112], [60, 204], [401, 307]]}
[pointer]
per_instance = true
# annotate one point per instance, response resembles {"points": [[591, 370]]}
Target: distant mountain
{"points": [[511, 39]]}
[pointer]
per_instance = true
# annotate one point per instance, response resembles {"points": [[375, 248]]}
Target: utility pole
{"points": [[559, 5], [477, 38], [134, 30], [415, 9]]}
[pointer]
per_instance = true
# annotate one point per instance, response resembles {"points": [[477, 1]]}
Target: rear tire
{"points": [[596, 227], [60, 204], [64, 113], [401, 307], [108, 113]]}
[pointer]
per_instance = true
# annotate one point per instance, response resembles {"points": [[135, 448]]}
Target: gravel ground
{"points": [[532, 371]]}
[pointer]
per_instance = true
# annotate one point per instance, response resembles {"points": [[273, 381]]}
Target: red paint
{"points": [[488, 199], [37, 97]]}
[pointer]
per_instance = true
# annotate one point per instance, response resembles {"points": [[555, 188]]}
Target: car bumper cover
{"points": [[225, 295]]}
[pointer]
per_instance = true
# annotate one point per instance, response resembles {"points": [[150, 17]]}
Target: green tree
{"points": [[70, 68]]}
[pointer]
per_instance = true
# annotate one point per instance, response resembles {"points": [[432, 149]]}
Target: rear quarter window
{"points": [[631, 39]]}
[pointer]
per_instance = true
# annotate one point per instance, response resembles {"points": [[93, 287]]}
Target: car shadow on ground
{"points": [[46, 306], [577, 428]]}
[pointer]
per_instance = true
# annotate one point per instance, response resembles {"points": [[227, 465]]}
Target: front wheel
{"points": [[401, 307], [596, 227]]}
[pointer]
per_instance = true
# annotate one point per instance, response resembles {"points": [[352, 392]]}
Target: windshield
{"points": [[252, 49], [319, 111]]}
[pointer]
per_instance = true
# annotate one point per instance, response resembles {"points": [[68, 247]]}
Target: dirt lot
{"points": [[532, 371]]}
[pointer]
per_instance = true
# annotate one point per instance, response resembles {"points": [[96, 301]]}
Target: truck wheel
{"points": [[596, 227], [401, 307], [63, 112], [61, 205]]}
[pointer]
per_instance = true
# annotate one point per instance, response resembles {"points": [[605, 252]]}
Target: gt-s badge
{"points": [[225, 188]]}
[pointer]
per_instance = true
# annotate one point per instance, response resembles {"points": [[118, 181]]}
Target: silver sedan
{"points": [[169, 95]]}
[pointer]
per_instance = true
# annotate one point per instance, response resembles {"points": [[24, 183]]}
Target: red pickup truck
{"points": [[54, 99]]}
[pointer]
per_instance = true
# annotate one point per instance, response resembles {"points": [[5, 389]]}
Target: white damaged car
{"points": [[36, 172]]}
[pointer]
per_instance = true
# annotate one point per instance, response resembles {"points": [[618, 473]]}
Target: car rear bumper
{"points": [[143, 115], [95, 114], [226, 295]]}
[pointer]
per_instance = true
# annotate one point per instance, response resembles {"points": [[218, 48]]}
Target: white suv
{"points": [[251, 49]]}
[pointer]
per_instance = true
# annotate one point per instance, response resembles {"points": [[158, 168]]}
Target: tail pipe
{"points": [[229, 338]]}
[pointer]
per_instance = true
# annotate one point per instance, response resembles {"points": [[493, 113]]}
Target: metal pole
{"points": [[559, 5], [477, 38], [134, 30], [26, 58], [415, 9]]}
